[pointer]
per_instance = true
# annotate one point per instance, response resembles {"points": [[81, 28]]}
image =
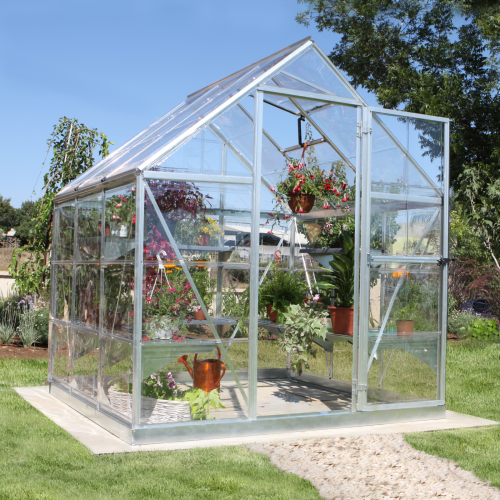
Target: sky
{"points": [[119, 65]]}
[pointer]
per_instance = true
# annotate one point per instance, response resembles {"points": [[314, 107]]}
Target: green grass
{"points": [[39, 460], [472, 387]]}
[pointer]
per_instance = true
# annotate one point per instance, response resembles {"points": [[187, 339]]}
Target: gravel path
{"points": [[375, 467]]}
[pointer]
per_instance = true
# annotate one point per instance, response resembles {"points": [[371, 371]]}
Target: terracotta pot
{"points": [[199, 315], [204, 240], [272, 315], [405, 327], [306, 202], [342, 319]]}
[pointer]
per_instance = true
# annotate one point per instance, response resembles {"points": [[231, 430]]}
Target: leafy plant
{"points": [[27, 330], [341, 277], [302, 324], [460, 323], [326, 233], [8, 323], [73, 146], [281, 290], [201, 402], [484, 329]]}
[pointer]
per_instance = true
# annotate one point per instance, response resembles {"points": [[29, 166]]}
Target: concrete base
{"points": [[100, 441]]}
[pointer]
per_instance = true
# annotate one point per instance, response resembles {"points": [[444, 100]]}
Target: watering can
{"points": [[206, 374]]}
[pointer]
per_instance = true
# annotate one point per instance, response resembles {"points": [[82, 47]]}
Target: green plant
{"points": [[484, 329], [201, 402], [281, 290], [460, 323], [8, 324], [27, 330], [407, 313], [302, 324], [326, 233], [205, 284], [73, 147], [341, 277]]}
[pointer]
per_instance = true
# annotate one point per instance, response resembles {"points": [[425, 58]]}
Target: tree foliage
{"points": [[8, 215], [436, 57], [73, 146]]}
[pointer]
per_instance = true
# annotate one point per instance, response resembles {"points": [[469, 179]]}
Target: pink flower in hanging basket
{"points": [[115, 217], [118, 205], [287, 216], [326, 207], [301, 210], [344, 199], [272, 189], [270, 232]]}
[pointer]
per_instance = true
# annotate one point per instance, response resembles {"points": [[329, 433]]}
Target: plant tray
{"points": [[153, 411]]}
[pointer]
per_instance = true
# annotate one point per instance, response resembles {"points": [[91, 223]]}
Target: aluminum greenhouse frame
{"points": [[215, 151]]}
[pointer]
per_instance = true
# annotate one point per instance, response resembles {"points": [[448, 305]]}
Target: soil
{"points": [[16, 350]]}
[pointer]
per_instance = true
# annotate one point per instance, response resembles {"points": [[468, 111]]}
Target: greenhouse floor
{"points": [[281, 397]]}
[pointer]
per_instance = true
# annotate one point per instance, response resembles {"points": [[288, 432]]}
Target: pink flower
{"points": [[344, 199], [338, 205], [301, 211], [171, 289], [118, 205], [326, 207], [269, 232], [148, 299], [115, 217], [287, 216], [133, 190], [338, 193], [272, 189]]}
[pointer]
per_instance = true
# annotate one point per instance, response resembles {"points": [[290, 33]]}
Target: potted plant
{"points": [[405, 319], [303, 183], [340, 279], [277, 293], [303, 323]]}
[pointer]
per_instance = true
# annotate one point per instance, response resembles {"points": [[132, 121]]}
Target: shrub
{"points": [[484, 329], [460, 323]]}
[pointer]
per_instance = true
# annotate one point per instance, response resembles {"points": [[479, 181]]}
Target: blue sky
{"points": [[119, 65]]}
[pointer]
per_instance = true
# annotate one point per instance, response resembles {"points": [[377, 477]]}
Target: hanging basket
{"points": [[153, 411], [301, 201]]}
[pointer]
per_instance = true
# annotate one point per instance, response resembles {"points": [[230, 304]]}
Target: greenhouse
{"points": [[270, 255]]}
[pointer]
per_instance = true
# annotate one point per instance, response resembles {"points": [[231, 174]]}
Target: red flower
{"points": [[312, 176]]}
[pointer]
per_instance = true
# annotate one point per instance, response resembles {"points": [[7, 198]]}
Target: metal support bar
{"points": [[138, 280], [311, 96], [190, 177], [312, 143], [254, 255]]}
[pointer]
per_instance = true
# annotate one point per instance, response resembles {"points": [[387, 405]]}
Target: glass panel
{"points": [[84, 362], [291, 83], [88, 246], [120, 224], [64, 232], [63, 274], [409, 345], [314, 70], [116, 376], [59, 351], [119, 300], [87, 295]]}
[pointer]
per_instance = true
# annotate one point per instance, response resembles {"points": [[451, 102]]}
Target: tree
{"points": [[26, 216], [73, 146], [436, 57], [8, 214]]}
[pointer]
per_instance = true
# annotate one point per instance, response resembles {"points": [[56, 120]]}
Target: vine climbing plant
{"points": [[73, 146]]}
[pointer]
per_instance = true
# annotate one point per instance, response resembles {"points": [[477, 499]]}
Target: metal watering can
{"points": [[206, 374]]}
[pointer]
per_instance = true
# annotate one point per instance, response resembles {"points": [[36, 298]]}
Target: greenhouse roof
{"points": [[301, 66]]}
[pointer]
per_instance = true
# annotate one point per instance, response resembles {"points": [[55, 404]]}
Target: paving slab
{"points": [[100, 441]]}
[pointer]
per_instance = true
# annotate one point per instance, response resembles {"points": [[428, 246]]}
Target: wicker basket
{"points": [[153, 411]]}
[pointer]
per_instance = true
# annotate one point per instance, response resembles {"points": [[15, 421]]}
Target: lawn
{"points": [[39, 460], [472, 387]]}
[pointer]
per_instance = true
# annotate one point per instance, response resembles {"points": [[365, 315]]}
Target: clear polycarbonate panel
{"points": [[407, 156], [62, 280], [87, 295], [84, 362], [64, 225], [338, 123], [407, 360], [116, 376], [311, 68], [409, 228], [423, 140], [118, 314], [294, 84], [89, 227], [120, 224], [202, 154], [154, 142], [59, 342]]}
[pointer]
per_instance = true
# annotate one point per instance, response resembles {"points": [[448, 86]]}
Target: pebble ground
{"points": [[375, 467]]}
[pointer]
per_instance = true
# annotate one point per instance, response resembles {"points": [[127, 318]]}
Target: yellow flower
{"points": [[169, 266]]}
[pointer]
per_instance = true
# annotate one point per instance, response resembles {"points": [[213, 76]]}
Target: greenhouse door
{"points": [[403, 261]]}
